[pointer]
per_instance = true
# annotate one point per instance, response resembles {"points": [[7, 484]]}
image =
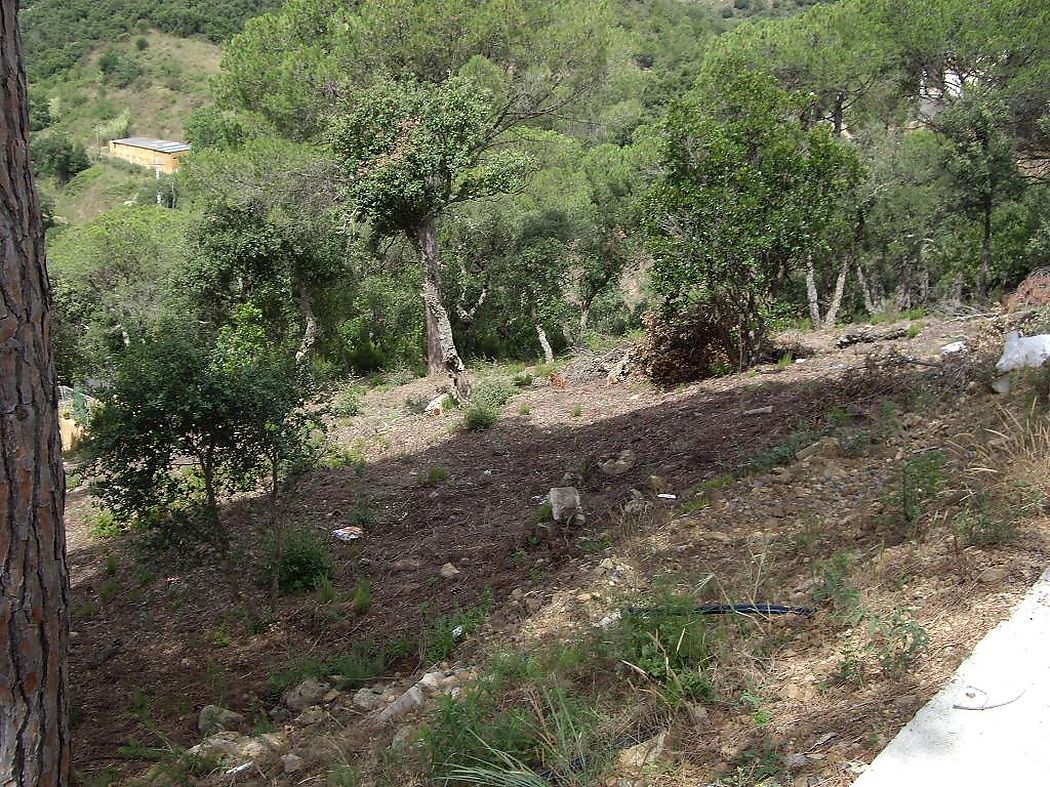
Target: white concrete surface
{"points": [[990, 725]]}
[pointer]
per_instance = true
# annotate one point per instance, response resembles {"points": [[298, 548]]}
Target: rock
{"points": [[992, 576], [955, 348], [634, 759], [565, 503], [658, 484], [368, 698], [439, 404], [214, 719], [796, 762], [623, 462], [232, 747], [331, 696], [533, 603], [406, 564], [408, 701], [292, 763], [310, 692], [311, 715], [449, 571], [432, 680]]}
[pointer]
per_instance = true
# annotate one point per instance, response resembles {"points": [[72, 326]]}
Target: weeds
{"points": [[783, 453], [672, 645], [434, 476], [577, 410], [921, 481], [346, 403], [979, 525], [445, 633], [324, 591], [834, 589], [479, 417], [524, 410], [103, 524], [301, 564], [493, 394], [362, 600]]}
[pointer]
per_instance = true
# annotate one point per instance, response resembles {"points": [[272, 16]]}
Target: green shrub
{"points": [[980, 525], [898, 643], [305, 561], [346, 402], [671, 643], [446, 631], [362, 600], [523, 379], [921, 482], [493, 394], [435, 475], [478, 418], [102, 524]]}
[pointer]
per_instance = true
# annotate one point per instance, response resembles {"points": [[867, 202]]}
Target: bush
{"points": [[304, 561], [493, 394], [347, 402], [672, 644], [681, 349], [478, 418], [55, 155]]}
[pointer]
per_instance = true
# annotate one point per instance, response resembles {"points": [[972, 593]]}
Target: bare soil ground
{"points": [[152, 643]]}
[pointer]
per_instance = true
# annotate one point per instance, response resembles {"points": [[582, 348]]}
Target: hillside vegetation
{"points": [[431, 259]]}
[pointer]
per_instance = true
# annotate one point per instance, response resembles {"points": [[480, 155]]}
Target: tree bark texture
{"points": [[836, 298], [442, 356], [811, 293], [545, 345], [34, 628], [306, 306]]}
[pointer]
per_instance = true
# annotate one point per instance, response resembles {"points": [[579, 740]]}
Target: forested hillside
{"points": [[57, 33], [315, 350]]}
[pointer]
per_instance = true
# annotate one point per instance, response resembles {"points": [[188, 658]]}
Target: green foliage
{"points": [[362, 599], [493, 394], [54, 155], [833, 588], [445, 633], [57, 34], [346, 402], [983, 524], [478, 418], [921, 482], [229, 405], [211, 128], [434, 476], [898, 643], [302, 563], [723, 231], [673, 644]]}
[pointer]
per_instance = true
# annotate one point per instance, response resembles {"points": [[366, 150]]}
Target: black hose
{"points": [[725, 609]]}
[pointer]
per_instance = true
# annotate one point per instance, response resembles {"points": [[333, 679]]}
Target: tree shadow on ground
{"points": [[155, 643]]}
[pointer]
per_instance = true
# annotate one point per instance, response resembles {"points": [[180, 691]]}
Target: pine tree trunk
{"points": [[442, 356], [34, 580], [836, 299], [865, 292]]}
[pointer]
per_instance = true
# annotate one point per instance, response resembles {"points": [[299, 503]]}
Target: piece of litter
{"points": [[954, 348], [458, 632], [666, 496], [1021, 352], [801, 360], [348, 534], [760, 410]]}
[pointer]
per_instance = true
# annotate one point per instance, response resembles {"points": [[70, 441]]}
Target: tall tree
{"points": [[34, 626], [421, 99]]}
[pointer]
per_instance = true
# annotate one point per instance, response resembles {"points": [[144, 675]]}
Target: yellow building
{"points": [[160, 155]]}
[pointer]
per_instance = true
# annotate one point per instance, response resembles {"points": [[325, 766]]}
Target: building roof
{"points": [[159, 145]]}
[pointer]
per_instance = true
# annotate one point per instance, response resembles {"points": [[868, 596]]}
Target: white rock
{"points": [[1022, 352], [408, 701], [637, 757], [449, 571], [432, 680], [955, 348], [565, 503], [368, 698], [292, 763]]}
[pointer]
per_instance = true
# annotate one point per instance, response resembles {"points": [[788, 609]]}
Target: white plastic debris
{"points": [[955, 348], [348, 534], [1024, 352], [667, 496]]}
